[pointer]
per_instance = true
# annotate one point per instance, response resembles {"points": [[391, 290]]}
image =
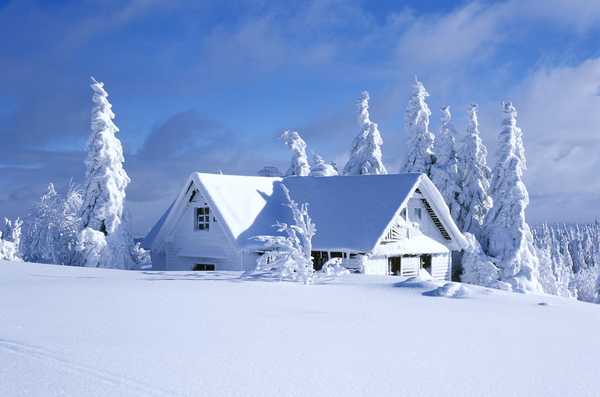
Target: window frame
{"points": [[418, 213], [204, 213]]}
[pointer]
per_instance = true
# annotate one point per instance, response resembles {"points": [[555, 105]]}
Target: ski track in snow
{"points": [[113, 379]]}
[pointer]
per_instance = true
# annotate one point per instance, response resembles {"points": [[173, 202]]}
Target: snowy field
{"points": [[68, 331]]}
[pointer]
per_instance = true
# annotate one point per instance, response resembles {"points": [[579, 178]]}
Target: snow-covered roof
{"points": [[350, 212]]}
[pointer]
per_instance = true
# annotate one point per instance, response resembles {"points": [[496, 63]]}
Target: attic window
{"points": [[417, 212], [202, 218]]}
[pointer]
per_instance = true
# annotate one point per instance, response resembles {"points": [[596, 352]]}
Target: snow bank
{"points": [[74, 331], [450, 290]]}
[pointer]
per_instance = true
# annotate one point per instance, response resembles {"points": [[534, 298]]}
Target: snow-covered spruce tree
{"points": [[366, 155], [289, 257], [444, 172], [473, 197], [507, 236], [320, 167], [102, 211], [299, 165], [420, 155]]}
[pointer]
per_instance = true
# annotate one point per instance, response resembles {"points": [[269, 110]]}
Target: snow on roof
{"points": [[350, 212]]}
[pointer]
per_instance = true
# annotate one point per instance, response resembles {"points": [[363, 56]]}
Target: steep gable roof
{"points": [[350, 212]]}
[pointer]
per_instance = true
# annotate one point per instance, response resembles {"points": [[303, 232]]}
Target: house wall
{"points": [[425, 225], [376, 265], [413, 228], [441, 267], [188, 246]]}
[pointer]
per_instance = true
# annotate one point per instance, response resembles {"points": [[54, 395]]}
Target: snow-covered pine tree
{"points": [[289, 257], [507, 236], [444, 172], [366, 155], [420, 156], [104, 190], [299, 165], [474, 174], [320, 167]]}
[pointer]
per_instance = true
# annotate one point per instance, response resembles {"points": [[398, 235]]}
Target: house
{"points": [[380, 224]]}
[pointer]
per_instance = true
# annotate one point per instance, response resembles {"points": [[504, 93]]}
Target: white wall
{"points": [[440, 267], [376, 265], [188, 246]]}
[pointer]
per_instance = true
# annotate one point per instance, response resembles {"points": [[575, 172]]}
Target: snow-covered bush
{"points": [[320, 167], [478, 268], [288, 257], [299, 165], [334, 267], [420, 155], [366, 154], [92, 245], [507, 236]]}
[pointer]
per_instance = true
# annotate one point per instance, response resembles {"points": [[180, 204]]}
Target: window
{"points": [[417, 212], [202, 218], [203, 267], [403, 213]]}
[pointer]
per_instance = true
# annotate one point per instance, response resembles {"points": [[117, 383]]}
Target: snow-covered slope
{"points": [[95, 332]]}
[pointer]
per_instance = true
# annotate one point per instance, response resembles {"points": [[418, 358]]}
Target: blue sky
{"points": [[209, 86]]}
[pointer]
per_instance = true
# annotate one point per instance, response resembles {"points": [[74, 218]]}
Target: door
{"points": [[394, 265], [426, 262]]}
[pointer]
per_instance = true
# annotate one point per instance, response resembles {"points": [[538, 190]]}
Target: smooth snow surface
{"points": [[67, 331]]}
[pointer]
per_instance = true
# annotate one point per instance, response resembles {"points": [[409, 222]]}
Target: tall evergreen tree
{"points": [[103, 208], [474, 174], [420, 155], [508, 237], [444, 172], [366, 155]]}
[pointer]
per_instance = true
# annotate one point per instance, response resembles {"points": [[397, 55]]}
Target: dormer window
{"points": [[202, 218]]}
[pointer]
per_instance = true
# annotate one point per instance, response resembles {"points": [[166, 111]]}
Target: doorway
{"points": [[426, 262], [394, 265]]}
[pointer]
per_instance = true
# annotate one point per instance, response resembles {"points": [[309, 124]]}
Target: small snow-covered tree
{"points": [[103, 207], [420, 155], [473, 197], [269, 171], [320, 167], [366, 154], [10, 238], [37, 243], [299, 165], [507, 236], [51, 229], [288, 257], [444, 172]]}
